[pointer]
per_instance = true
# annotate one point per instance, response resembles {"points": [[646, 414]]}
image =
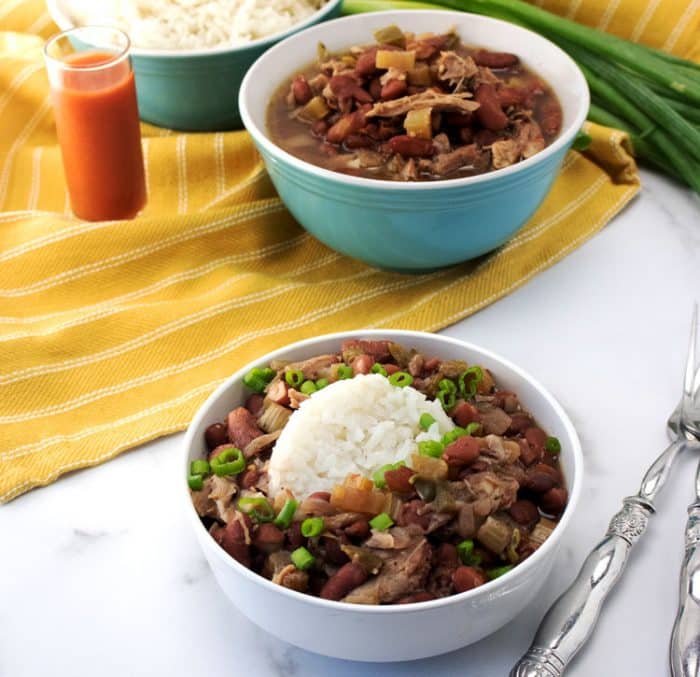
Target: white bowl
{"points": [[392, 632]]}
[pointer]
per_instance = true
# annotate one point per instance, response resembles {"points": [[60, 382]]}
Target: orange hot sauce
{"points": [[98, 130]]}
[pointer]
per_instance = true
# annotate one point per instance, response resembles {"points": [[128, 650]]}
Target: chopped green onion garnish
{"points": [[381, 522], [378, 369], [452, 435], [286, 515], [378, 475], [308, 387], [294, 377], [401, 379], [498, 571], [312, 526], [465, 550], [447, 399], [552, 445], [447, 385], [195, 482], [228, 462], [425, 421], [321, 383], [469, 381], [256, 379], [430, 448], [473, 428], [258, 508], [199, 467], [302, 559], [344, 371]]}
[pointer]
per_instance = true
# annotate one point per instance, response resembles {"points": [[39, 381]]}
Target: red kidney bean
{"points": [[347, 124], [301, 90], [410, 146], [254, 404], [519, 423], [345, 87], [446, 555], [232, 539], [541, 478], [554, 500], [358, 141], [536, 437], [375, 89], [362, 364], [333, 552], [319, 127], [550, 117], [393, 89], [347, 578], [464, 414], [416, 597], [528, 453], [294, 537], [467, 578], [490, 114], [249, 478], [463, 451], [399, 480], [358, 530], [216, 435], [279, 392], [432, 364], [366, 62], [391, 369], [242, 427], [494, 59], [466, 135], [321, 495], [428, 47], [268, 537], [511, 96], [524, 511]]}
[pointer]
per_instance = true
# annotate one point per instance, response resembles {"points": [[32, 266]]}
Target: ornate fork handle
{"points": [[571, 619], [685, 638]]}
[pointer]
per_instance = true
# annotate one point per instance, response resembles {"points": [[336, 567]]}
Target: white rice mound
{"points": [[193, 24], [353, 426]]}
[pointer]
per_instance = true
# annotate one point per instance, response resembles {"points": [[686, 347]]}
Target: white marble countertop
{"points": [[101, 575]]}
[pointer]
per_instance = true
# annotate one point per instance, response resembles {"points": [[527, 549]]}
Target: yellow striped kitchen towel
{"points": [[113, 333]]}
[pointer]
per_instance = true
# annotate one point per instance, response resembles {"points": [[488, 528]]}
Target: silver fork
{"points": [[685, 637], [571, 619]]}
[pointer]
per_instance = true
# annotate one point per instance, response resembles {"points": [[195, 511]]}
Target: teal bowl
{"points": [[413, 226], [195, 90]]}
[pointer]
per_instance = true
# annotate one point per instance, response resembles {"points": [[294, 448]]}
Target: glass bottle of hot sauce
{"points": [[94, 98]]}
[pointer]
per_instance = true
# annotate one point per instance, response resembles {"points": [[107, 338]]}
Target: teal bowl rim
{"points": [[565, 138], [64, 22]]}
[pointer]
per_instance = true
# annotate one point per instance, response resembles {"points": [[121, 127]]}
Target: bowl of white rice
{"points": [[190, 56], [351, 427]]}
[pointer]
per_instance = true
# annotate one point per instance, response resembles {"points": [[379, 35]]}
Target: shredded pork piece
{"points": [[438, 101], [530, 139], [504, 153], [453, 68]]}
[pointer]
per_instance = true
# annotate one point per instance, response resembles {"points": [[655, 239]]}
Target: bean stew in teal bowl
{"points": [[411, 225]]}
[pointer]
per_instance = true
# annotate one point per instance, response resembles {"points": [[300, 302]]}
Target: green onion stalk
{"points": [[650, 94]]}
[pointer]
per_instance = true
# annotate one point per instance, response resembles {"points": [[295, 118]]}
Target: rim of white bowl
{"points": [[64, 22], [565, 136], [492, 586]]}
